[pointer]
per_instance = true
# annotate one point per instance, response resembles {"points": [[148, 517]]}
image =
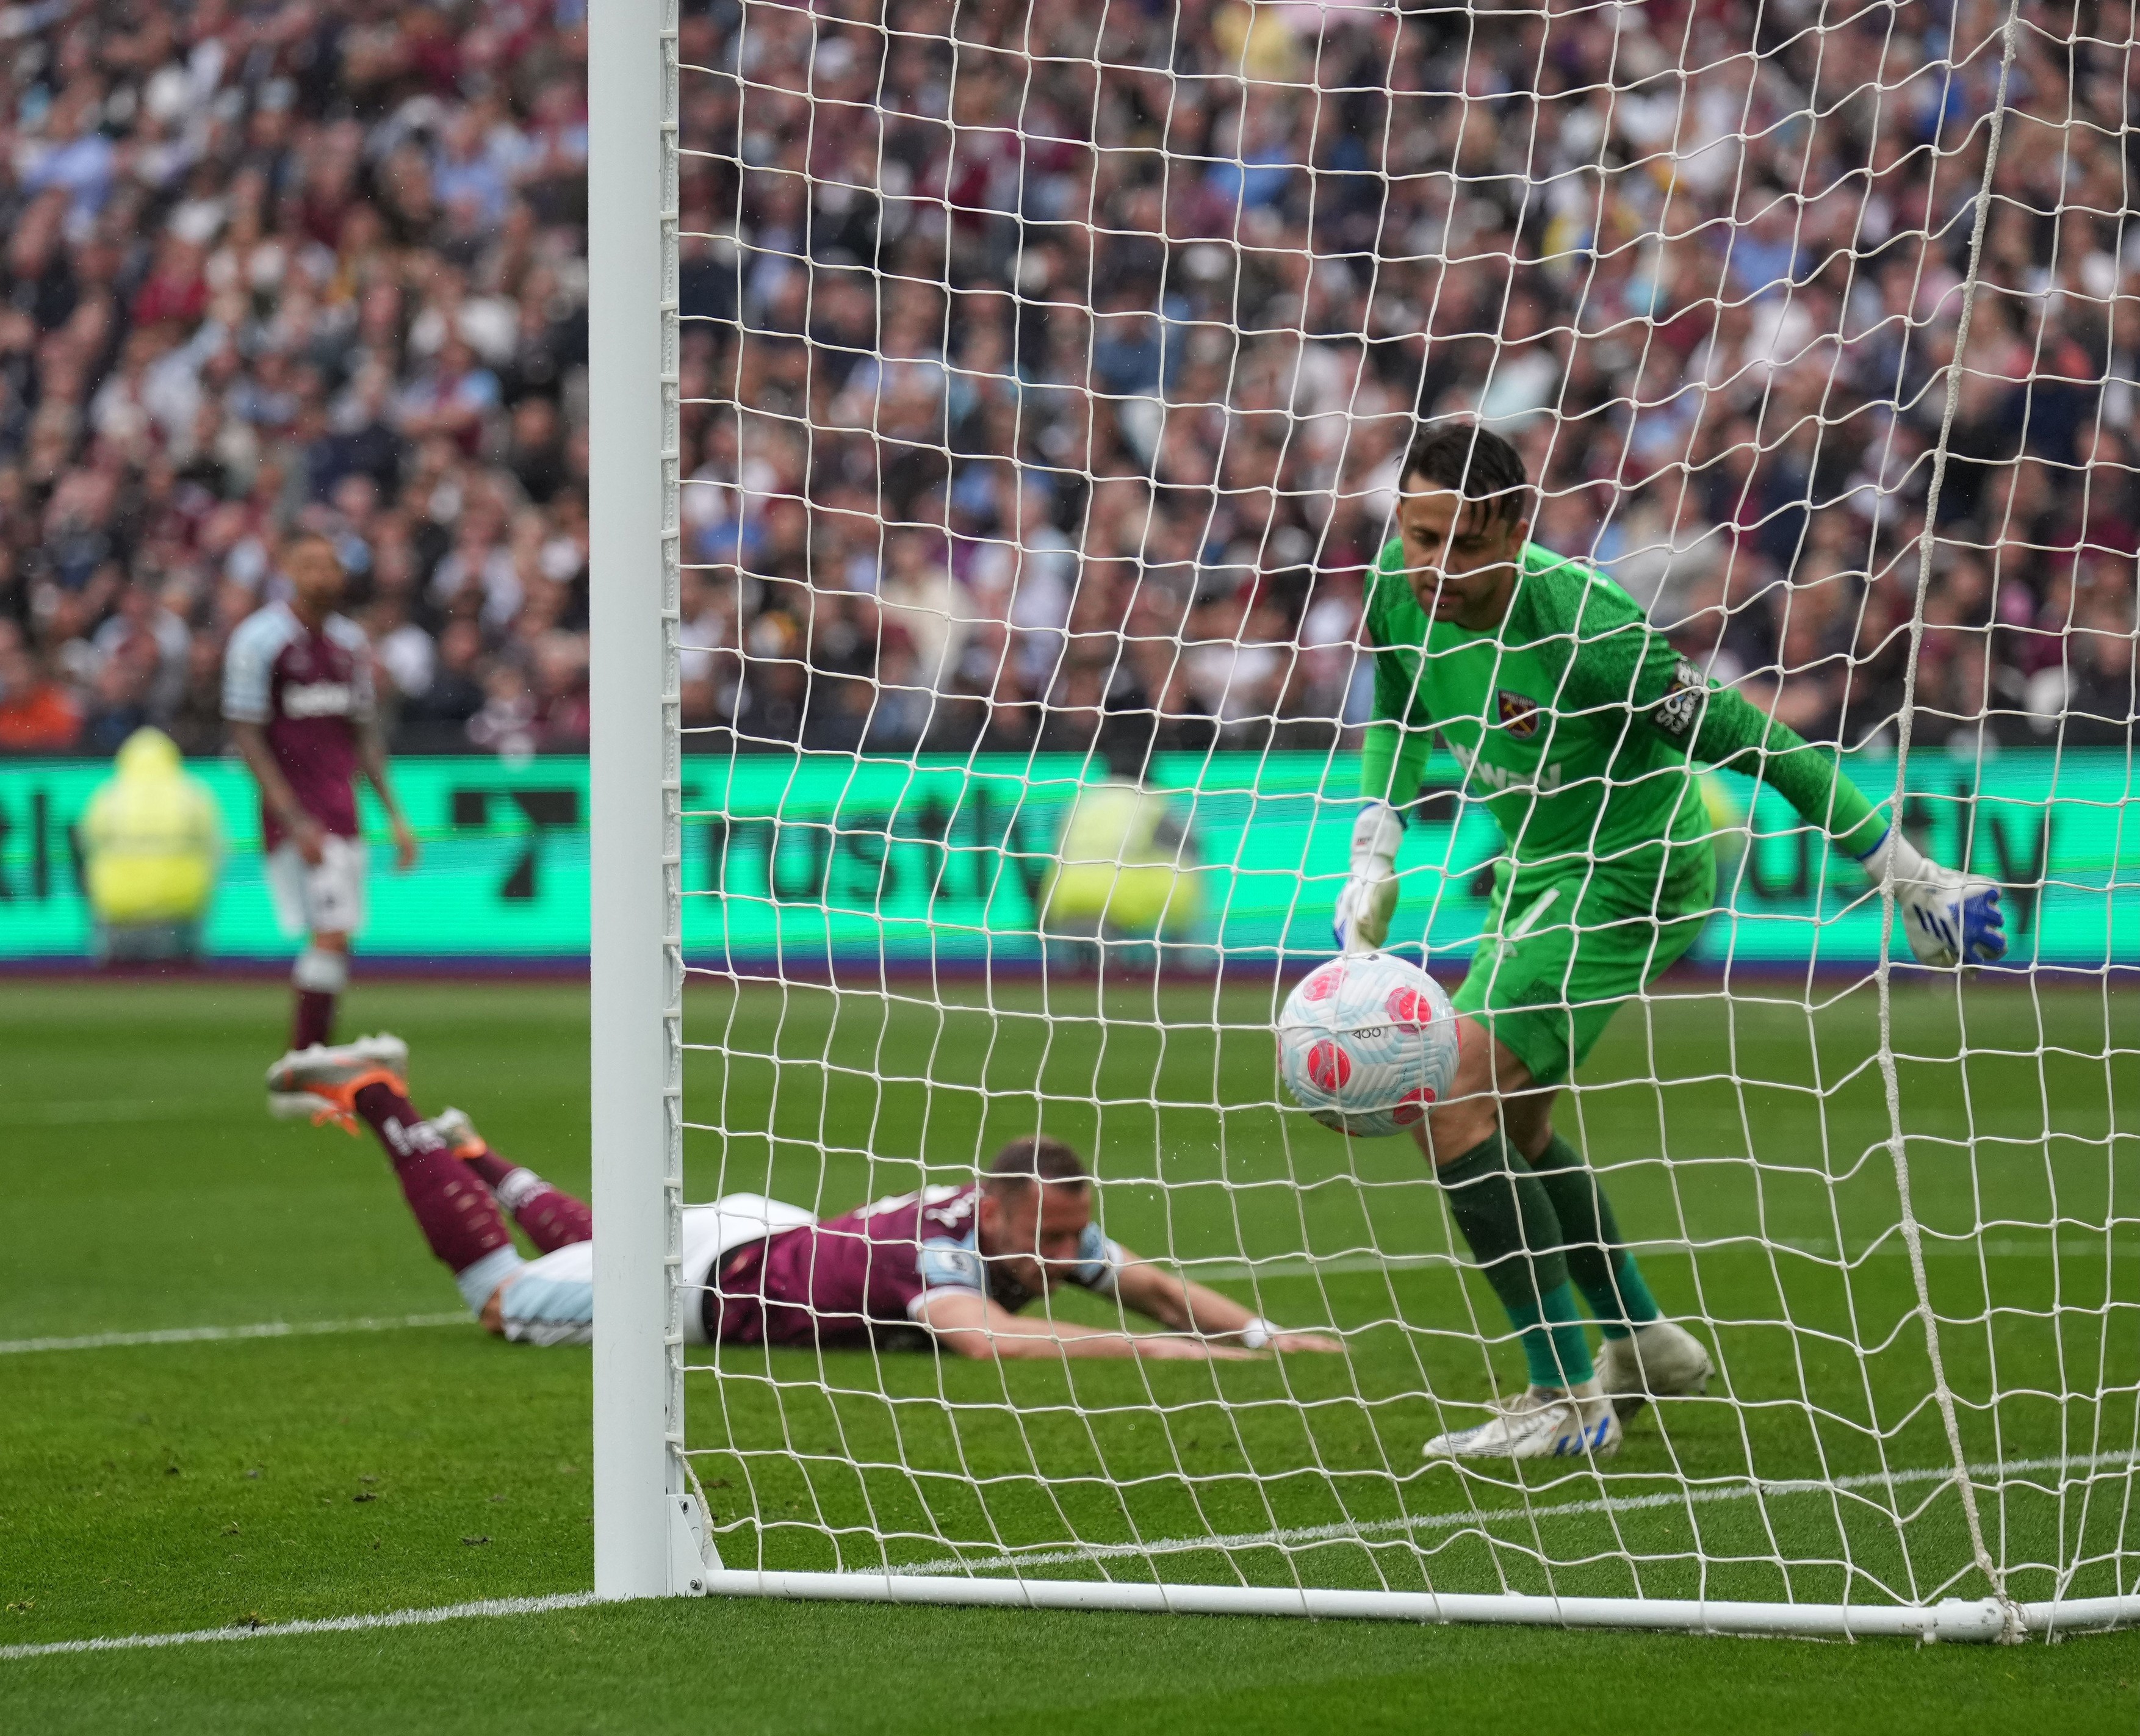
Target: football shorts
{"points": [[325, 897], [552, 1300], [1563, 950]]}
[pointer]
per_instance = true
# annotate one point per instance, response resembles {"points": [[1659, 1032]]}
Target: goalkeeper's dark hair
{"points": [[1473, 461], [1034, 1159]]}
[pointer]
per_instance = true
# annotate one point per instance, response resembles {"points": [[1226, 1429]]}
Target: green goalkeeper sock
{"points": [[1602, 1269], [1555, 1351], [1508, 1221]]}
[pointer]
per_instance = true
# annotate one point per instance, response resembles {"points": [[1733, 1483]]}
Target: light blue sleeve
{"points": [[1099, 1261], [248, 665], [364, 702], [944, 1265]]}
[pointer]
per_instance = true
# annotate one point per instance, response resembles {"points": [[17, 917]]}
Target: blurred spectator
{"points": [[560, 691], [261, 274], [438, 716], [1725, 353], [37, 714], [507, 722], [2092, 685], [919, 596], [151, 846]]}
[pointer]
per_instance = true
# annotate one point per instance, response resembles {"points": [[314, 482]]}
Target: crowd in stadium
{"points": [[284, 267], [1075, 347]]}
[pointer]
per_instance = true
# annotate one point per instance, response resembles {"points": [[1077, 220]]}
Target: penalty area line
{"points": [[218, 1335], [326, 1624]]}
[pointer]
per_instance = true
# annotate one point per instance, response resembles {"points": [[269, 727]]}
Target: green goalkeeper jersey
{"points": [[1575, 721]]}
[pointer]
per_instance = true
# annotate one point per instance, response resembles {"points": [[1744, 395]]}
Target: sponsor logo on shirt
{"points": [[317, 699], [1516, 714], [1488, 776], [1681, 705], [950, 1206]]}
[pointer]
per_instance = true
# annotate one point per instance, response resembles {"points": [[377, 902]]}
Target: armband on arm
{"points": [[1678, 714]]}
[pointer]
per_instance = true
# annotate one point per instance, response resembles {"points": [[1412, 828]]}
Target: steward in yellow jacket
{"points": [[152, 844]]}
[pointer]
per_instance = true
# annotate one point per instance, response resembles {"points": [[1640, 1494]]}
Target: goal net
{"points": [[1035, 381]]}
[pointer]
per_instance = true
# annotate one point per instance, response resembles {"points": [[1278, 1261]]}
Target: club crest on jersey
{"points": [[1516, 714]]}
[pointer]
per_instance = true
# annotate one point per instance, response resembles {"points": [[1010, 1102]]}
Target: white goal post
{"points": [[648, 1540], [935, 420]]}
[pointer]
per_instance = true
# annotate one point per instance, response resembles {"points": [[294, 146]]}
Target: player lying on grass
{"points": [[949, 1265], [1578, 725]]}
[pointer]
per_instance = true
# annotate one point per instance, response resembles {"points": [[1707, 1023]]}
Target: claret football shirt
{"points": [[311, 691]]}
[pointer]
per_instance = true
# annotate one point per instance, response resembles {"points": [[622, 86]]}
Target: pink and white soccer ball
{"points": [[1366, 1043]]}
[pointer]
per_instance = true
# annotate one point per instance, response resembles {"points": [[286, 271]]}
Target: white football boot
{"points": [[1659, 1361], [1537, 1422], [453, 1126], [289, 1099]]}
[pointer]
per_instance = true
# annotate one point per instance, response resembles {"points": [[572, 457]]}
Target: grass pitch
{"points": [[1745, 1140], [176, 1486]]}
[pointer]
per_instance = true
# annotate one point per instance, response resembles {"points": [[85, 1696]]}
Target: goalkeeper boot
{"points": [[1537, 1422], [1659, 1361], [320, 1084]]}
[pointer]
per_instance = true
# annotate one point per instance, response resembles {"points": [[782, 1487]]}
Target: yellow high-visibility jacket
{"points": [[152, 837], [1123, 867]]}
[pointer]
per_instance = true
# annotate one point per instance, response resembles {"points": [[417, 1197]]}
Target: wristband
{"points": [[1864, 859], [1258, 1333], [1895, 858]]}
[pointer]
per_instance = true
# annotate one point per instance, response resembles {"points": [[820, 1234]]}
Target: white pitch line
{"points": [[1275, 1266], [1313, 1534], [1353, 1532], [330, 1625], [112, 1109], [1357, 1265], [215, 1335]]}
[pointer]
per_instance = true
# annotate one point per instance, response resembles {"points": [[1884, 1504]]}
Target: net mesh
{"points": [[1044, 374]]}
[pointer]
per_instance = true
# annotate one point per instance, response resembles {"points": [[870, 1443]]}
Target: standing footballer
{"points": [[1577, 725], [296, 691]]}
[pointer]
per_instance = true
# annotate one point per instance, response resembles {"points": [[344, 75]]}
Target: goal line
{"points": [[1955, 1619], [226, 1335], [1364, 1530], [488, 1606]]}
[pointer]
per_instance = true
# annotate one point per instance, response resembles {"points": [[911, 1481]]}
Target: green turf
{"points": [[177, 1486], [1749, 1130], [793, 1670]]}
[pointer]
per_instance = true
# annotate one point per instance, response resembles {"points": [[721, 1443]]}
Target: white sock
{"points": [[517, 1187], [321, 971]]}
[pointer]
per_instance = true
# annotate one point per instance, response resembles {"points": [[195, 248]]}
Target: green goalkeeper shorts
{"points": [[1559, 955]]}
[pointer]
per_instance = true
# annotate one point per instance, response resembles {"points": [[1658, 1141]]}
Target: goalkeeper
{"points": [[1576, 724]]}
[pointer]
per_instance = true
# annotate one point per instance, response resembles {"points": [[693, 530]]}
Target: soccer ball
{"points": [[1365, 1043]]}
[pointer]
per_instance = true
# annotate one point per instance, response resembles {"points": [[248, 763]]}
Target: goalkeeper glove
{"points": [[1361, 923], [1950, 918]]}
